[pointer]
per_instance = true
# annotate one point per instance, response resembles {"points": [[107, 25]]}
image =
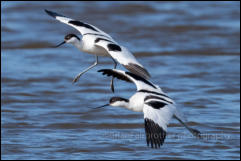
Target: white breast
{"points": [[136, 102], [90, 47]]}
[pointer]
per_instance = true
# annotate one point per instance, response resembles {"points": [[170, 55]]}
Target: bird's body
{"points": [[158, 108], [87, 45], [97, 42], [136, 102]]}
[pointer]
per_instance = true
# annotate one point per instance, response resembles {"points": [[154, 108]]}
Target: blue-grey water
{"points": [[191, 49]]}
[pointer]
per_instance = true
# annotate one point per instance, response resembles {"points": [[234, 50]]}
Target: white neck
{"points": [[122, 104], [130, 106], [78, 44], [125, 105]]}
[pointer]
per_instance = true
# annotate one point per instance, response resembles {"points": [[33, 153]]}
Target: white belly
{"points": [[95, 50]]}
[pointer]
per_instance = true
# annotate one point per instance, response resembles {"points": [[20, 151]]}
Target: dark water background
{"points": [[192, 50]]}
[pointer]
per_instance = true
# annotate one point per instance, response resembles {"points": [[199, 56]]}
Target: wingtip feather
{"points": [[50, 13], [154, 134], [138, 70], [53, 14]]}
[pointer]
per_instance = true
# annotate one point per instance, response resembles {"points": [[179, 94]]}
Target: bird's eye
{"points": [[112, 100], [68, 37]]}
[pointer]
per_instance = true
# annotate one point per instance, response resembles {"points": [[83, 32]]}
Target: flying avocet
{"points": [[97, 42], [158, 108]]}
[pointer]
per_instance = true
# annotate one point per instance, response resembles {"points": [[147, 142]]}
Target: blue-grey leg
{"points": [[193, 131], [81, 73]]}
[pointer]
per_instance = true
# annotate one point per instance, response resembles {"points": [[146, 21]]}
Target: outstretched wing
{"points": [[141, 83], [83, 28], [157, 115], [123, 56]]}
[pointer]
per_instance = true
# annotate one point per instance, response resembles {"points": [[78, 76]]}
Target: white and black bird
{"points": [[158, 108], [97, 42]]}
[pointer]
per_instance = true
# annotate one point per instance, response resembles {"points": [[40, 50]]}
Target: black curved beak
{"points": [[102, 106], [60, 44]]}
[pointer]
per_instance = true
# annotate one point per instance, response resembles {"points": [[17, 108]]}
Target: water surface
{"points": [[191, 49]]}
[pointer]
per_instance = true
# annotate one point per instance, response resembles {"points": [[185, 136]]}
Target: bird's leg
{"points": [[78, 76], [112, 80], [193, 131]]}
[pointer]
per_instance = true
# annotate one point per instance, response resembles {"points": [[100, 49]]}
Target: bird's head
{"points": [[116, 102], [71, 39]]}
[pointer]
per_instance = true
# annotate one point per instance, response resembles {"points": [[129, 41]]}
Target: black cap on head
{"points": [[69, 36], [115, 99]]}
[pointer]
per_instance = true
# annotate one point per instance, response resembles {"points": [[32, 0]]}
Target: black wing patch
{"points": [[137, 77], [78, 23], [157, 98], [146, 91], [99, 39], [117, 75], [156, 104], [113, 47], [154, 133], [53, 14]]}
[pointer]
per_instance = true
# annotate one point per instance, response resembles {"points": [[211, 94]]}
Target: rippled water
{"points": [[192, 50]]}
